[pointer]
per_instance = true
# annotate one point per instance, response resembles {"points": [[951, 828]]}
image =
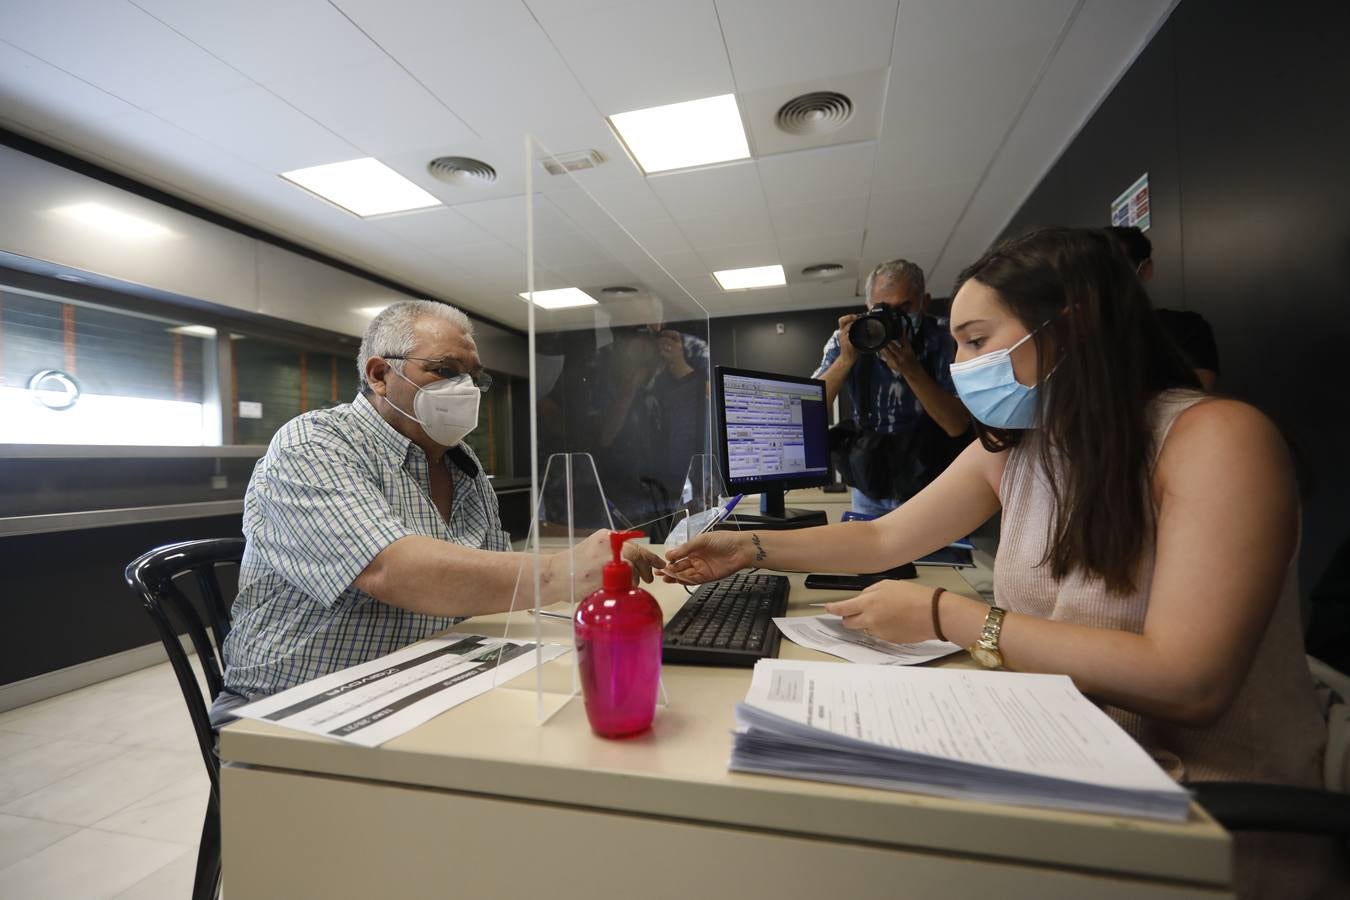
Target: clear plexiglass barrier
{"points": [[620, 408]]}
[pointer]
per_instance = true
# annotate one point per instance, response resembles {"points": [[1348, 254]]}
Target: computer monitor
{"points": [[773, 434]]}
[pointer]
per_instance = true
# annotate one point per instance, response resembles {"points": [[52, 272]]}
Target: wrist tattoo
{"points": [[759, 548]]}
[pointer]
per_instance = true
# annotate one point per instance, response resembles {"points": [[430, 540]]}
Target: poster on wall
{"points": [[1131, 207]]}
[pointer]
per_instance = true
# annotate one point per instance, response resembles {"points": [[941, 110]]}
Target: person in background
{"points": [[903, 391], [1189, 330], [1148, 541], [371, 525]]}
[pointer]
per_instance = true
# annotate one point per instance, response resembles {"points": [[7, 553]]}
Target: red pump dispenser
{"points": [[618, 638]]}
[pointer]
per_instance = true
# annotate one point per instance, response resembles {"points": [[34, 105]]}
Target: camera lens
{"points": [[872, 331]]}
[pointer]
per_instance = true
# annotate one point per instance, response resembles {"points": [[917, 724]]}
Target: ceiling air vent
{"points": [[576, 161], [462, 171], [819, 112], [822, 271]]}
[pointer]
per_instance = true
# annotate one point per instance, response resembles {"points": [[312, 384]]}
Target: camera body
{"points": [[879, 326]]}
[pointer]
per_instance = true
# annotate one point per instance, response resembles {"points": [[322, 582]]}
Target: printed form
{"points": [[386, 697], [827, 634]]}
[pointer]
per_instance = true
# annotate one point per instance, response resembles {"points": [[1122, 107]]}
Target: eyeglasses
{"points": [[482, 380]]}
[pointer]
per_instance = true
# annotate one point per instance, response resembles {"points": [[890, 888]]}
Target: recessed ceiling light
{"points": [[366, 187], [371, 312], [201, 331], [682, 135], [561, 298], [112, 221], [619, 290], [754, 277]]}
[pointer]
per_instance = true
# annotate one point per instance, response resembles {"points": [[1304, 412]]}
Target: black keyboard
{"points": [[728, 622]]}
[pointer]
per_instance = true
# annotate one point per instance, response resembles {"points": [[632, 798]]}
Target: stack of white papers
{"points": [[999, 737]]}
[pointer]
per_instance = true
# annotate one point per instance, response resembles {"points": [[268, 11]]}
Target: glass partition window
{"points": [[72, 373], [274, 382]]}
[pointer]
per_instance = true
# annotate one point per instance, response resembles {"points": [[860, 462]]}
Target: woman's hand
{"points": [[896, 611], [708, 557]]}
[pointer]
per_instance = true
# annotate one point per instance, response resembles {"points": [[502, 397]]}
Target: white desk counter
{"points": [[483, 801]]}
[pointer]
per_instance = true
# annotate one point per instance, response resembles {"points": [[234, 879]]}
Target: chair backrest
{"points": [[151, 576], [1333, 692]]}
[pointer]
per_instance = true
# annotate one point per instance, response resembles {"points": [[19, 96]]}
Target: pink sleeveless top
{"points": [[1272, 731]]}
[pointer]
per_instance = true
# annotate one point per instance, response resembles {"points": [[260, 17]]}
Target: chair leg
{"points": [[206, 885]]}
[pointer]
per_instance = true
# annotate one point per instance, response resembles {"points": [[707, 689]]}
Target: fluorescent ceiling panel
{"points": [[366, 187], [113, 222], [562, 298], [754, 277], [683, 135]]}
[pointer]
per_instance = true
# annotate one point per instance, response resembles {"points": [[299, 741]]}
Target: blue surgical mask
{"points": [[992, 393]]}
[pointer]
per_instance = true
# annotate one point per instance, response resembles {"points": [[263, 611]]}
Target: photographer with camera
{"points": [[895, 358]]}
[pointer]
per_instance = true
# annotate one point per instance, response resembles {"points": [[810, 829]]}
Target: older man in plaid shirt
{"points": [[372, 525]]}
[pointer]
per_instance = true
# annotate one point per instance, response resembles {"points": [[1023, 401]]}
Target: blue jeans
{"points": [[871, 506]]}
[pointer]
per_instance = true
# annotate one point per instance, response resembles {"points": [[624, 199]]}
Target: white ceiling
{"points": [[210, 100]]}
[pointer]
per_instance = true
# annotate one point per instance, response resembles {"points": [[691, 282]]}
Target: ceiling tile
{"points": [[492, 261], [269, 40], [623, 202], [740, 256], [918, 214], [667, 52], [811, 175], [781, 41], [489, 62], [822, 217], [841, 248], [90, 39], [701, 192], [505, 217], [257, 125], [439, 229], [732, 226], [934, 136], [377, 107], [38, 94], [824, 293], [660, 236]]}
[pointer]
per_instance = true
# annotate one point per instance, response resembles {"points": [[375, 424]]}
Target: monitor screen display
{"points": [[775, 428]]}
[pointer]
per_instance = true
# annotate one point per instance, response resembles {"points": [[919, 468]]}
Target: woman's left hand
{"points": [[897, 611]]}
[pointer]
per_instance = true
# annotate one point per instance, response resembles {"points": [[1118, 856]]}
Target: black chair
{"points": [[1252, 806], [152, 577]]}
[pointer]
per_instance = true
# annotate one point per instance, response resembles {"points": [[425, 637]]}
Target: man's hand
{"points": [[644, 562], [590, 557], [899, 358], [847, 351]]}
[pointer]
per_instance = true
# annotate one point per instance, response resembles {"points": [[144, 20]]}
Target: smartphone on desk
{"points": [[858, 582]]}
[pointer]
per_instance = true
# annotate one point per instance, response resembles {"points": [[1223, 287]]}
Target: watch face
{"points": [[990, 659]]}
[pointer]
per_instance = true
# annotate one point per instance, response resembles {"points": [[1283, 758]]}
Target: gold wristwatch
{"points": [[985, 651]]}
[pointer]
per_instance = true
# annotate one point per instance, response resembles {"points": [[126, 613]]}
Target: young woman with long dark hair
{"points": [[1148, 535]]}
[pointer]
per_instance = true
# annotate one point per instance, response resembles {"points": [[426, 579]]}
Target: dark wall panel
{"points": [[753, 342], [67, 602], [1237, 111]]}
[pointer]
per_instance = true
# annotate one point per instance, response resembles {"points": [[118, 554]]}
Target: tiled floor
{"points": [[102, 793]]}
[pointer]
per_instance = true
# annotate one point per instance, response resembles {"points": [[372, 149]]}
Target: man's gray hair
{"points": [[896, 269], [391, 332]]}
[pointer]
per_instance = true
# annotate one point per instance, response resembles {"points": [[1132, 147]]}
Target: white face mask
{"points": [[447, 409]]}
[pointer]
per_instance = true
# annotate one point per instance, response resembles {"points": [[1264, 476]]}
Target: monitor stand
{"points": [[773, 515]]}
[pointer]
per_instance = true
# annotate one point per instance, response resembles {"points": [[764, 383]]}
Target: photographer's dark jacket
{"points": [[890, 407]]}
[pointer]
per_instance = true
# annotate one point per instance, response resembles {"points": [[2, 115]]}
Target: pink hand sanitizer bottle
{"points": [[618, 637]]}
